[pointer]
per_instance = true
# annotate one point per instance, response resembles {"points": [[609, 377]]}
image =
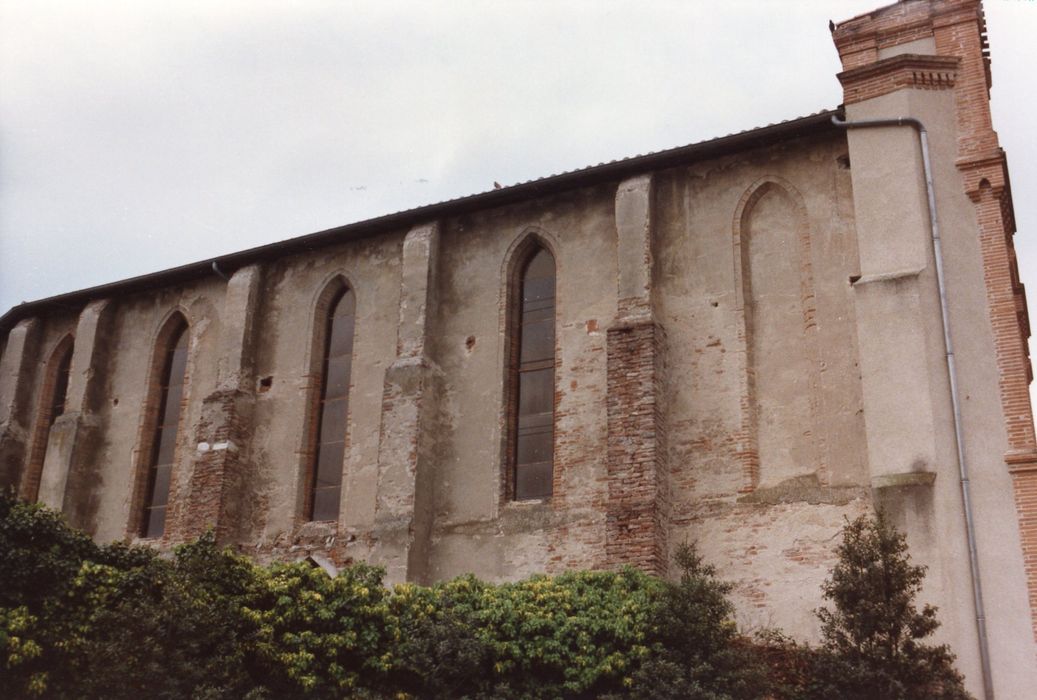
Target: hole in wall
{"points": [[843, 162], [265, 383], [714, 304], [469, 343], [115, 402]]}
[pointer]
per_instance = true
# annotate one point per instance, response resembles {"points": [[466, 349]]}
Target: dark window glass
{"points": [[533, 381], [163, 450], [162, 485], [337, 380], [155, 521], [57, 406], [325, 485]]}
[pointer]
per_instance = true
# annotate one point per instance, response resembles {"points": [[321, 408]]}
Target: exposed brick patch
{"points": [[340, 545], [217, 485], [637, 508]]}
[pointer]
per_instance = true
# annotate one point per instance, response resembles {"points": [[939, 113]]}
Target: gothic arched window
{"points": [[325, 473], [167, 423], [531, 381]]}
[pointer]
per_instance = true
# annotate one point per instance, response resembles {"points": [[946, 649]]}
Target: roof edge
{"points": [[583, 177]]}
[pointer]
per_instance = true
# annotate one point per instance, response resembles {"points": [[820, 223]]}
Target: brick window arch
{"points": [[53, 395], [531, 365], [164, 411], [330, 404]]}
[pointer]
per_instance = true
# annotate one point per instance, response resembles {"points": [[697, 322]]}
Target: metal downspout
{"points": [[952, 375]]}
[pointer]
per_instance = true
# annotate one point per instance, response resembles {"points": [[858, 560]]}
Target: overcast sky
{"points": [[139, 135]]}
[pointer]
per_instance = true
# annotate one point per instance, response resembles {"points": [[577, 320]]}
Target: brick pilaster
{"points": [[219, 486], [636, 512], [407, 440], [17, 374], [69, 476]]}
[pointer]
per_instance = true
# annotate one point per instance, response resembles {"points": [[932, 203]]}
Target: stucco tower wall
{"points": [[891, 72]]}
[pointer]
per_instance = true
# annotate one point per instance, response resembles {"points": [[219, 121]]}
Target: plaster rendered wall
{"points": [[127, 376], [475, 529], [768, 526], [768, 519], [282, 358], [773, 314], [286, 325], [753, 258]]}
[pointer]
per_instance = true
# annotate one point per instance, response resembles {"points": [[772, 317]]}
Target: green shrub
{"points": [[79, 620], [697, 652], [872, 639]]}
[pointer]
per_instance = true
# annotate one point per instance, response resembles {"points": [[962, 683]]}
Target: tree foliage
{"points": [[698, 652], [873, 636]]}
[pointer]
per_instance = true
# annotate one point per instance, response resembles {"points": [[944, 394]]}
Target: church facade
{"points": [[741, 342]]}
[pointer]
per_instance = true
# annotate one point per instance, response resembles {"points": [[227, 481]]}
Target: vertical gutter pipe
{"points": [[952, 375]]}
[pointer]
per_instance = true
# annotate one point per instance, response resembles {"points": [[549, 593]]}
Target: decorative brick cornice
{"points": [[1021, 462], [897, 72], [860, 39]]}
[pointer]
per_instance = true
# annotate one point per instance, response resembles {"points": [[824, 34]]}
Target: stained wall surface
{"points": [[735, 242]]}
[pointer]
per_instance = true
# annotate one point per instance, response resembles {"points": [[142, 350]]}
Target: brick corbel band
{"points": [[898, 72]]}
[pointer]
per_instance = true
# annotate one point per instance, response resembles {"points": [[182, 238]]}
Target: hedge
{"points": [[82, 620]]}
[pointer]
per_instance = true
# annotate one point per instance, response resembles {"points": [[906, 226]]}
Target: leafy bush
{"points": [[872, 640], [698, 653], [79, 620]]}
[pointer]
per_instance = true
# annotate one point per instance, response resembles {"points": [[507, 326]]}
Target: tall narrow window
{"points": [[51, 407], [163, 447], [325, 486], [532, 380], [57, 404]]}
